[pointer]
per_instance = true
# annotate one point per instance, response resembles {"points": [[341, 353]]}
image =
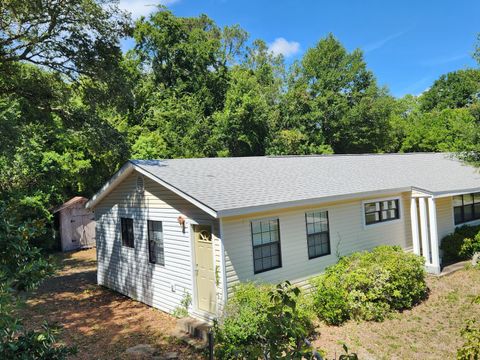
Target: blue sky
{"points": [[407, 44]]}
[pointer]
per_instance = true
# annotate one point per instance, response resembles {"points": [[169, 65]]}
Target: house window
{"points": [[381, 211], [127, 232], [155, 242], [266, 245], [466, 208], [318, 238]]}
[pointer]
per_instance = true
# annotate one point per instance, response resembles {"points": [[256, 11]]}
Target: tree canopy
{"points": [[74, 108]]}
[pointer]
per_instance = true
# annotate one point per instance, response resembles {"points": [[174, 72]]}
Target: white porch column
{"points": [[414, 221], [424, 230], [432, 214]]}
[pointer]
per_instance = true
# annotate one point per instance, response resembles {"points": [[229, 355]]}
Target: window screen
{"points": [[266, 245]]}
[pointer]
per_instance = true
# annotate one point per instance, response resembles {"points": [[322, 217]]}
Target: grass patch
{"points": [[430, 330]]}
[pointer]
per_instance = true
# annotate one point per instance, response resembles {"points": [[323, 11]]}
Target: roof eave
{"points": [[442, 194], [307, 202], [116, 179], [126, 170]]}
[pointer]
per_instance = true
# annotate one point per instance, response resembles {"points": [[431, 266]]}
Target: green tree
{"points": [[183, 79], [72, 37], [242, 126], [250, 111], [449, 130], [334, 100], [454, 90]]}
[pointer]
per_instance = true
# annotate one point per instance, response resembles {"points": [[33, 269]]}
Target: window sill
{"points": [[469, 223], [382, 223], [319, 256], [262, 271]]}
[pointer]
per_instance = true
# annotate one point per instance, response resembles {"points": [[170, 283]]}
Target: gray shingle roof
{"points": [[225, 184]]}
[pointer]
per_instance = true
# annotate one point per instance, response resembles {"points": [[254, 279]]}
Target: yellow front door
{"points": [[205, 273]]}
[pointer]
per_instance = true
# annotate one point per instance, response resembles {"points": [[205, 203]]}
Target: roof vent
{"points": [[140, 184]]}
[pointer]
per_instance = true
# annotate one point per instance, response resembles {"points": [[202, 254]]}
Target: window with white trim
{"points": [[155, 242], [127, 232], [318, 237], [266, 245], [381, 211], [466, 208]]}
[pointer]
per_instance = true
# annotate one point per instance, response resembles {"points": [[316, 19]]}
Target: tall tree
{"points": [[70, 36], [243, 126], [448, 130], [454, 90], [182, 84], [336, 101]]}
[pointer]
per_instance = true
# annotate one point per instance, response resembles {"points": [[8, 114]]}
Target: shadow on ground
{"points": [[101, 323]]}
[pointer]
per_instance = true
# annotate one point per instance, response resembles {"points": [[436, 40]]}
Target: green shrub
{"points": [[471, 347], [451, 244], [33, 344], [369, 285], [470, 246], [263, 321], [468, 231]]}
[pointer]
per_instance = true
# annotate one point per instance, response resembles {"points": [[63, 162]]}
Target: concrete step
{"points": [[195, 328]]}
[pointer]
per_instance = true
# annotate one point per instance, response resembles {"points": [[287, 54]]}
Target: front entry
{"points": [[205, 273]]}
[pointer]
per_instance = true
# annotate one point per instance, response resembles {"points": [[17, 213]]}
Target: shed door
{"points": [[77, 227], [205, 273]]}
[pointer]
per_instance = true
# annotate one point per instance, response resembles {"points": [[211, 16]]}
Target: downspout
{"points": [[223, 266]]}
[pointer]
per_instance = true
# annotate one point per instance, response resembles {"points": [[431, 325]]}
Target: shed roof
{"points": [[230, 186], [70, 202]]}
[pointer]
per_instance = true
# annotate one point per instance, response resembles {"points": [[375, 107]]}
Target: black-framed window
{"points": [[466, 208], [127, 232], [318, 237], [156, 253], [381, 211], [266, 245]]}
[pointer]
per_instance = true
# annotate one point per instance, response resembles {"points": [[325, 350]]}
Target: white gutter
{"points": [[126, 170], [116, 179], [441, 194], [306, 202], [223, 265], [177, 191]]}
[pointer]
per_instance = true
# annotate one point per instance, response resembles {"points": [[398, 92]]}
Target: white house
{"points": [[167, 228]]}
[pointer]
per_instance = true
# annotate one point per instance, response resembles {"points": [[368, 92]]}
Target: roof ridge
{"points": [[292, 156]]}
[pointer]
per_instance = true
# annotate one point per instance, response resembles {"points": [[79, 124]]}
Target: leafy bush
{"points": [[470, 246], [369, 285], [468, 231], [452, 243], [182, 310], [40, 345], [22, 267], [262, 321], [471, 347], [451, 246]]}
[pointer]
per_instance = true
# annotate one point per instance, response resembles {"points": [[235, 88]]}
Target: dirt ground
{"points": [[101, 323], [429, 331]]}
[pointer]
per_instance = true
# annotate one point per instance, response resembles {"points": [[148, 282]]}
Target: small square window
{"points": [[381, 211]]}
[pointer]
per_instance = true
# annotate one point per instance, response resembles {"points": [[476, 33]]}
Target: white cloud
{"points": [[284, 47], [443, 60], [143, 7], [379, 44]]}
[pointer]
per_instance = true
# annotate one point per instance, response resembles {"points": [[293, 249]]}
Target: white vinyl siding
{"points": [[444, 217], [128, 270], [347, 234]]}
